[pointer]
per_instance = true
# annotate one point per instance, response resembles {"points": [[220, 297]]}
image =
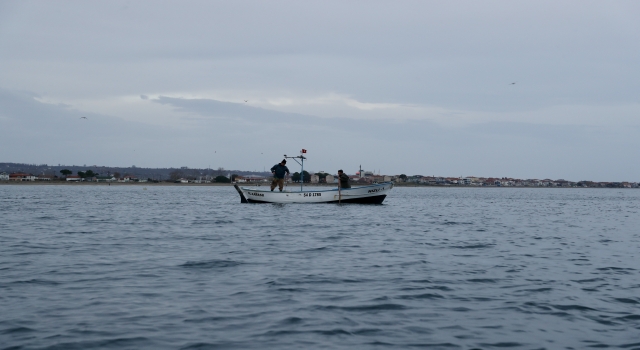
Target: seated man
{"points": [[278, 172], [343, 179]]}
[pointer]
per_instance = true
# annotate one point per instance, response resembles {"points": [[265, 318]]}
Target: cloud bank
{"points": [[419, 87]]}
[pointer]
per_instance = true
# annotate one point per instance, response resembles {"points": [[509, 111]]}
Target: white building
{"points": [[255, 178], [4, 177], [108, 178]]}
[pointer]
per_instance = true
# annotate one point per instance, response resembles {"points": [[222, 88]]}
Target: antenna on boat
{"points": [[301, 162]]}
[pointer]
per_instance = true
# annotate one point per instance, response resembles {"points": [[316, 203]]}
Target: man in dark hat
{"points": [[343, 179], [278, 172]]}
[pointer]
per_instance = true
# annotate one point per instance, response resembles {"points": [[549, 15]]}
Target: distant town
{"points": [[18, 172]]}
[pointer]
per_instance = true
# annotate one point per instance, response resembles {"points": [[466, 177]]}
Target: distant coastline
{"points": [[185, 176], [294, 186], [101, 184]]}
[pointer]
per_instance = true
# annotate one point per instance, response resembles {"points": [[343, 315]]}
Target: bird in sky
{"points": [[83, 117], [246, 100], [514, 83]]}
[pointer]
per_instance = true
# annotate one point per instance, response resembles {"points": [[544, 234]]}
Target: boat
{"points": [[370, 194]]}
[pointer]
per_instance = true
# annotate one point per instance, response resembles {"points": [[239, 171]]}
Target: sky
{"points": [[525, 89]]}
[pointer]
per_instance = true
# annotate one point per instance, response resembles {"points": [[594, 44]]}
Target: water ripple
{"points": [[210, 264], [114, 267]]}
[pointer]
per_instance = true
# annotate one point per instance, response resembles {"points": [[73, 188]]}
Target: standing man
{"points": [[343, 179], [278, 172]]}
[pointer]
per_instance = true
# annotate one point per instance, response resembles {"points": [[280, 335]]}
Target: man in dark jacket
{"points": [[278, 172], [343, 179]]}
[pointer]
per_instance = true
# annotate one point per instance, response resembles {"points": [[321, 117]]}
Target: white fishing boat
{"points": [[370, 194]]}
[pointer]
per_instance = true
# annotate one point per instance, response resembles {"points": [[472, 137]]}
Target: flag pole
{"points": [[339, 191]]}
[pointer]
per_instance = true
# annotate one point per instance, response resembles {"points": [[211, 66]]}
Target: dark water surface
{"points": [[120, 267]]}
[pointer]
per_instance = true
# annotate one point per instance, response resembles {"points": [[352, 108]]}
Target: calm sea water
{"points": [[121, 267]]}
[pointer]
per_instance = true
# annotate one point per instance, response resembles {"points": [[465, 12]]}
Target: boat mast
{"points": [[301, 162]]}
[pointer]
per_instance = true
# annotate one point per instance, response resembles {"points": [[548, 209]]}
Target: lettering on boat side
{"points": [[256, 194], [376, 190], [313, 194]]}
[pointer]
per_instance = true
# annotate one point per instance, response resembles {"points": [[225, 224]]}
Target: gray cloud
{"points": [[243, 137], [416, 52], [459, 60], [536, 150]]}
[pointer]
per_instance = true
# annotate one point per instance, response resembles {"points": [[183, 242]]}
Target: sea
{"points": [[170, 267]]}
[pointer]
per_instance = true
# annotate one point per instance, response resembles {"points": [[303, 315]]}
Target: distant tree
{"points": [[222, 179], [233, 177], [89, 173], [403, 177], [175, 175], [66, 172], [116, 175], [296, 177], [81, 174]]}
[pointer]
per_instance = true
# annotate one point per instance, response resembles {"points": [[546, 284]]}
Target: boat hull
{"points": [[372, 194]]}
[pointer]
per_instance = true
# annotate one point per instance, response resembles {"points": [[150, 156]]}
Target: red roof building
{"points": [[21, 177]]}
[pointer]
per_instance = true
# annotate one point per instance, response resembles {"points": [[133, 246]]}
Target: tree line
{"points": [[173, 176]]}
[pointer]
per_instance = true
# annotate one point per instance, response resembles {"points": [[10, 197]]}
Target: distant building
{"points": [[74, 178], [4, 177], [251, 178], [329, 179], [366, 174], [357, 178], [452, 181], [375, 178], [21, 177], [105, 178]]}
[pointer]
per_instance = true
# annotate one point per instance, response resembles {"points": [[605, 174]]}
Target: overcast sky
{"points": [[414, 87]]}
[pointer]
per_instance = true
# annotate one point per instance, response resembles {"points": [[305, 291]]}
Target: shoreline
{"points": [[63, 183], [266, 184]]}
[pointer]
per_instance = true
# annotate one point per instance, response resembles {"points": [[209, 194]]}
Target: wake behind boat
{"points": [[371, 194]]}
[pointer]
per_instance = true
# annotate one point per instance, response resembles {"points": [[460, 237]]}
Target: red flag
{"points": [[304, 150]]}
